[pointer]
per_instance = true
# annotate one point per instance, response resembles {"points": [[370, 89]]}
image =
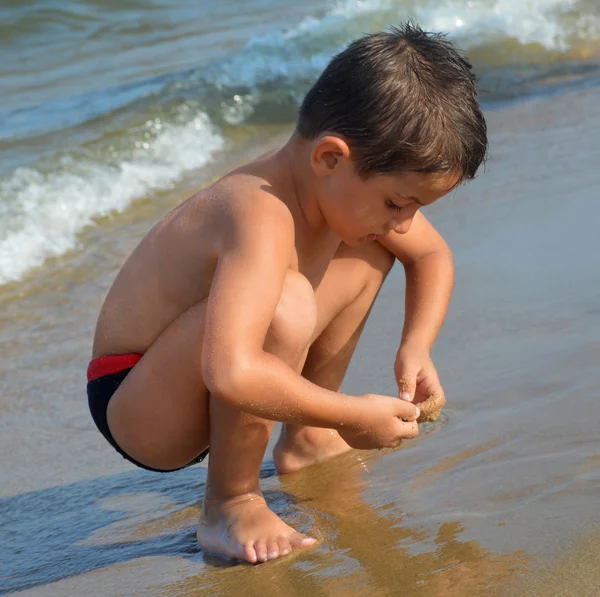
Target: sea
{"points": [[111, 113]]}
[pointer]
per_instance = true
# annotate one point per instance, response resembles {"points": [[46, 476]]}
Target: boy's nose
{"points": [[402, 223]]}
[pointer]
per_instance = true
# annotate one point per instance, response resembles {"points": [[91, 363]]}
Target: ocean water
{"points": [[105, 104], [112, 113]]}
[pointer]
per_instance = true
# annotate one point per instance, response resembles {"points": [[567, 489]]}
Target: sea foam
{"points": [[42, 213]]}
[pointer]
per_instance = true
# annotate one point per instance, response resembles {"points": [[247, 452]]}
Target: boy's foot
{"points": [[243, 528], [298, 448]]}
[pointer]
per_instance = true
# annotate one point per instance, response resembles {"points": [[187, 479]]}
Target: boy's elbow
{"points": [[442, 254], [446, 254], [227, 379], [440, 249]]}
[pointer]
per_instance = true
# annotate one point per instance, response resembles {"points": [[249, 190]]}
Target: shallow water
{"points": [[490, 496], [497, 498]]}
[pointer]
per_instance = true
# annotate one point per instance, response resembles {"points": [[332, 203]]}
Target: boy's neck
{"points": [[294, 158]]}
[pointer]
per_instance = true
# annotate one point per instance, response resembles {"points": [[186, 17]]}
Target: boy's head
{"points": [[394, 115], [403, 100]]}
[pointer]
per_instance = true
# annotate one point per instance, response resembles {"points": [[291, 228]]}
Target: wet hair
{"points": [[404, 100]]}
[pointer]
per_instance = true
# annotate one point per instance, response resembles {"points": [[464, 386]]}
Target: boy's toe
{"points": [[249, 553], [261, 550], [300, 540], [272, 549], [284, 546]]}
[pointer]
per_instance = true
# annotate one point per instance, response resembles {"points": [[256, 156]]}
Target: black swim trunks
{"points": [[105, 375]]}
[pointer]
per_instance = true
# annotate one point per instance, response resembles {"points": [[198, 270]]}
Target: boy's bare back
{"points": [[173, 267]]}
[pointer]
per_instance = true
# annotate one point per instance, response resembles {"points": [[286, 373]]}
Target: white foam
{"points": [[529, 21], [546, 22], [43, 213], [279, 53], [282, 53], [350, 8]]}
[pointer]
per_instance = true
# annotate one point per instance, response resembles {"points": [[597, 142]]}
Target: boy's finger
{"points": [[409, 430], [407, 386], [434, 387], [408, 412], [427, 387]]}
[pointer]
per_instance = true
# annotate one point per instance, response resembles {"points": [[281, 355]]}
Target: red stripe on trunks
{"points": [[112, 363]]}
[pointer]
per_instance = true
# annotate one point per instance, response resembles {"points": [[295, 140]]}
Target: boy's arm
{"points": [[258, 241], [429, 269]]}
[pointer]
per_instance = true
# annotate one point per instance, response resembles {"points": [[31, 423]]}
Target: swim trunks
{"points": [[105, 375]]}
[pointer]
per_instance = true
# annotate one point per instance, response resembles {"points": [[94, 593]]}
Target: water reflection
{"points": [[367, 548]]}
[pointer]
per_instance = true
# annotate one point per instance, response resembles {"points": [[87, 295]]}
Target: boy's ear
{"points": [[328, 154]]}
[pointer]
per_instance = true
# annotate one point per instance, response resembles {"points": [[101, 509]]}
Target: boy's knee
{"points": [[376, 263], [295, 317], [383, 260]]}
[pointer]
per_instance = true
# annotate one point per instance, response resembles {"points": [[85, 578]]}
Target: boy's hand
{"points": [[385, 422], [418, 381]]}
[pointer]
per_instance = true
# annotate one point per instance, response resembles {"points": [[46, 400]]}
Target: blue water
{"points": [[105, 103]]}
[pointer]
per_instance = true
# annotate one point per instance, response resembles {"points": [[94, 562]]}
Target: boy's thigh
{"points": [[352, 271], [159, 414]]}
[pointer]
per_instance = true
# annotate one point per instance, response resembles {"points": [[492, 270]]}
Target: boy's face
{"points": [[361, 210]]}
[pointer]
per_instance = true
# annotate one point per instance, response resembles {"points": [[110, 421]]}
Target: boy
{"points": [[243, 306]]}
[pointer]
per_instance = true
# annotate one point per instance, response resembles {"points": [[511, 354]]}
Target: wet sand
{"points": [[498, 497]]}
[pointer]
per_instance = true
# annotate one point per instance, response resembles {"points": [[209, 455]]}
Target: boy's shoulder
{"points": [[248, 193]]}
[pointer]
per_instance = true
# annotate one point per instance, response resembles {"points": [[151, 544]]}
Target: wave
{"points": [[191, 115], [504, 38], [48, 210], [556, 25]]}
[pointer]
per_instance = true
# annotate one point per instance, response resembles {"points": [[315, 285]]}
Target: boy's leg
{"points": [[233, 505], [160, 417], [344, 300]]}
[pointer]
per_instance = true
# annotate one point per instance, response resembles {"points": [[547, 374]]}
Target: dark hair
{"points": [[403, 100]]}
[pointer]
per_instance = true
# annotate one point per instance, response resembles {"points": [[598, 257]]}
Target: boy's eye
{"points": [[392, 205]]}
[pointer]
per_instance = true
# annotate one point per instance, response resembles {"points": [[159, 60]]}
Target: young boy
{"points": [[244, 305]]}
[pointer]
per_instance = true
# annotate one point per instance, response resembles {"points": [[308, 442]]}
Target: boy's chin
{"points": [[351, 239]]}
